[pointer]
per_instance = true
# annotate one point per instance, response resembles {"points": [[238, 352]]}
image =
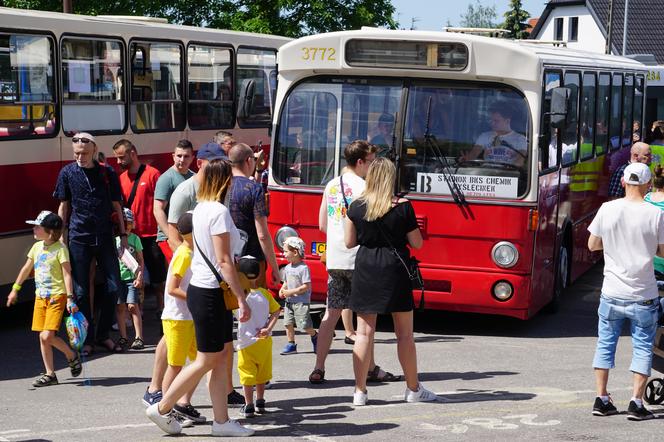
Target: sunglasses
{"points": [[81, 140]]}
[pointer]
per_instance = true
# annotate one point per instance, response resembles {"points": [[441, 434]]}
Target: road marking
{"points": [[2, 433], [312, 437], [80, 430]]}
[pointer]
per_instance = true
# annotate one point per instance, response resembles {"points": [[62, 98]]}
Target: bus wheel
{"points": [[654, 394], [562, 277]]}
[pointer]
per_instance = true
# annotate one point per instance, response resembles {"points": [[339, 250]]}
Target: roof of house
{"points": [[645, 33]]}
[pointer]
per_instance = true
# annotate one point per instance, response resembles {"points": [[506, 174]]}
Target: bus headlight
{"points": [[282, 234], [502, 290], [505, 254]]}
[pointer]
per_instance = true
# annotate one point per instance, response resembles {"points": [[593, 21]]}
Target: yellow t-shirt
{"points": [[48, 262]]}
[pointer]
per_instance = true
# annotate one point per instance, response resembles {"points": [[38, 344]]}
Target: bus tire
{"points": [[562, 277]]}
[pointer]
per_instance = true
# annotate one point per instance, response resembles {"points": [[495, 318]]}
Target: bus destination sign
{"points": [[470, 185]]}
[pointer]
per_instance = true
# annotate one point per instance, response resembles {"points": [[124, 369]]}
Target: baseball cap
{"points": [[249, 266], [128, 215], [47, 219], [637, 174], [185, 223], [296, 243], [211, 151]]}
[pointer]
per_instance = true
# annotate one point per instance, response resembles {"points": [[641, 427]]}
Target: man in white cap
{"points": [[630, 232], [89, 194]]}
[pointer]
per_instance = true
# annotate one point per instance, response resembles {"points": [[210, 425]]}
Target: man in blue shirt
{"points": [[89, 194]]}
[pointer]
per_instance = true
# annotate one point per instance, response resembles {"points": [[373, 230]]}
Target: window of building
{"points": [[558, 29], [573, 28]]}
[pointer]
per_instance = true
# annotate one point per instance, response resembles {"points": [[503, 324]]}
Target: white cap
{"points": [[296, 243], [637, 174]]}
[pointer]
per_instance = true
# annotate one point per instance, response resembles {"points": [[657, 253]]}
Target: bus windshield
{"points": [[477, 134]]}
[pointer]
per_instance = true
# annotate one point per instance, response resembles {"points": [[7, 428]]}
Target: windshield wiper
{"points": [[432, 144]]}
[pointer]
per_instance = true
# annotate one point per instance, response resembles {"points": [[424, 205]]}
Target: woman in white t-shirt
{"points": [[215, 236]]}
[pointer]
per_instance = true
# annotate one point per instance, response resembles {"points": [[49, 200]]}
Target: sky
{"points": [[432, 15]]}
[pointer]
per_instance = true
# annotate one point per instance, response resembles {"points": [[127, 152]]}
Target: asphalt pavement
{"points": [[496, 378]]}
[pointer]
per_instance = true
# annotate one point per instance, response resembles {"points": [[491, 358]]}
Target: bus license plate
{"points": [[318, 248]]}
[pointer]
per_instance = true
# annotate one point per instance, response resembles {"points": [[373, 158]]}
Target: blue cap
{"points": [[211, 151]]}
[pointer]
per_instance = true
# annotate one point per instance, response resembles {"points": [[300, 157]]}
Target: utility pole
{"points": [[413, 20], [67, 6], [607, 48], [624, 47]]}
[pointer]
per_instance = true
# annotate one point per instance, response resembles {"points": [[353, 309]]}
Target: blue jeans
{"points": [[81, 256], [643, 325]]}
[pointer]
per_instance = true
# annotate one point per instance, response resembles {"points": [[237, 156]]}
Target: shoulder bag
{"points": [[230, 300], [412, 266]]}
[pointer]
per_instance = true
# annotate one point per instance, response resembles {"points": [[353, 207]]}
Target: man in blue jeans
{"points": [[89, 193], [630, 232]]}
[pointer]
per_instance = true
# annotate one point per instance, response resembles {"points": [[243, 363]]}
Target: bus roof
{"points": [[490, 58], [28, 20]]}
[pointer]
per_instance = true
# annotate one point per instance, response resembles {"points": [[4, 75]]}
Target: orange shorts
{"points": [[48, 312]]}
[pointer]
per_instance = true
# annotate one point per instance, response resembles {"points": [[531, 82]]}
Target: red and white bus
{"points": [[116, 77], [503, 198]]}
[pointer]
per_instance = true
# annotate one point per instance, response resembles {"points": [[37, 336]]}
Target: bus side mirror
{"points": [[246, 100], [559, 106]]}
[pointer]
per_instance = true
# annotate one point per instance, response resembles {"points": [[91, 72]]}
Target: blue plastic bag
{"points": [[77, 330]]}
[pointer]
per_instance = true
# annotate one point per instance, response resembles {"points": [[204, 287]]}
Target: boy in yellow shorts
{"points": [[176, 319], [254, 340]]}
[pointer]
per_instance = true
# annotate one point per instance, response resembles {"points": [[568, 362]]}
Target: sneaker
{"points": [[260, 406], [268, 385], [184, 422], [360, 398], [151, 398], [189, 412], [235, 399], [230, 428], [421, 395], [314, 341], [248, 410], [636, 413], [167, 422], [602, 409], [289, 349]]}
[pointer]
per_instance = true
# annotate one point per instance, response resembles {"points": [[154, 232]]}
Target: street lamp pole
{"points": [[607, 48], [625, 28], [67, 6]]}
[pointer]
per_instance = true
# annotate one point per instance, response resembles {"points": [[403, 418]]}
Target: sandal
{"points": [[45, 380], [317, 376], [122, 342], [110, 346], [75, 366], [138, 344], [379, 375]]}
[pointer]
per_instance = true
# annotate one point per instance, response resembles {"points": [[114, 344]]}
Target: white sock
{"points": [[638, 402], [604, 399]]}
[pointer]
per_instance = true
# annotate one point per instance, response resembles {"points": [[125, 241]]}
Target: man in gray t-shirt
{"points": [[166, 184]]}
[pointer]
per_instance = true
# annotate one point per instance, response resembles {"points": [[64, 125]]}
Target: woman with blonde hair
{"points": [[218, 239], [383, 225]]}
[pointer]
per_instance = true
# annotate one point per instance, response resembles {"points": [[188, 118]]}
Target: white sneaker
{"points": [[167, 422], [231, 428], [360, 398], [421, 395]]}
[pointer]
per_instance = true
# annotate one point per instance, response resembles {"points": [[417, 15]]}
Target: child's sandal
{"points": [[122, 342], [138, 344], [45, 380], [75, 366]]}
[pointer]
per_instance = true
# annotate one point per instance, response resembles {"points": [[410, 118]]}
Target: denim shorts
{"points": [[642, 318], [130, 295]]}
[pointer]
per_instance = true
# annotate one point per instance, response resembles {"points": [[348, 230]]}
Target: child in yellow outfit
{"points": [[254, 340], [50, 260]]}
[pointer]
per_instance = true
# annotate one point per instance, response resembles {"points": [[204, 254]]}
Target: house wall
{"points": [[590, 37]]}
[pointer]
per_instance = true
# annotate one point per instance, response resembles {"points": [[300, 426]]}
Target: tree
{"points": [[479, 16], [516, 20], [292, 18]]}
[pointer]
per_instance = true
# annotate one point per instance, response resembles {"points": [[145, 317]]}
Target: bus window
{"points": [[256, 67], [305, 150], [602, 125], [627, 111], [570, 135], [157, 102], [616, 111], [638, 109], [27, 92], [587, 115], [549, 140], [480, 131], [92, 89], [210, 99]]}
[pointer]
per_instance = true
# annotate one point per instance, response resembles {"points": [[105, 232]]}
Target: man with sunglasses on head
{"points": [[89, 194]]}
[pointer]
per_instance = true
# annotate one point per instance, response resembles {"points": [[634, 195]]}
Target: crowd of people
{"points": [[202, 241]]}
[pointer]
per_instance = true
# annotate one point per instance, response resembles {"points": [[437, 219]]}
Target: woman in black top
{"points": [[382, 223]]}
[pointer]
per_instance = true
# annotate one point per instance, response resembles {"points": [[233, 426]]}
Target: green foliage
{"points": [[292, 18], [516, 19], [479, 16]]}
